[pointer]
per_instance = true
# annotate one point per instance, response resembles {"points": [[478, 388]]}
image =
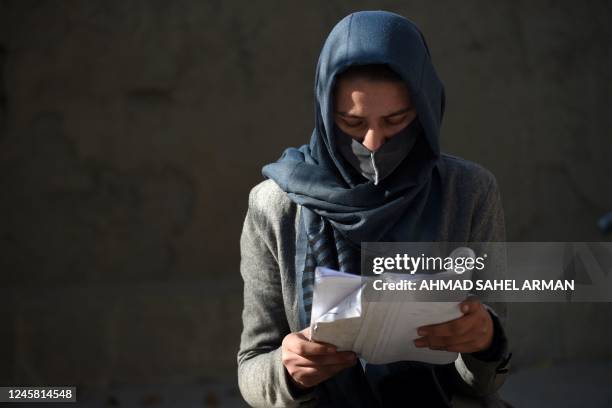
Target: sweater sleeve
{"points": [[483, 373], [262, 377]]}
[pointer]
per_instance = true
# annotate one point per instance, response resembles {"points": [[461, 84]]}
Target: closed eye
{"points": [[352, 123], [396, 120]]}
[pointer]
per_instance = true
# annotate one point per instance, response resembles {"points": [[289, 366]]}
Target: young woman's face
{"points": [[372, 111]]}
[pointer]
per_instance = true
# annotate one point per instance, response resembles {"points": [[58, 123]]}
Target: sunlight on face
{"points": [[372, 111]]}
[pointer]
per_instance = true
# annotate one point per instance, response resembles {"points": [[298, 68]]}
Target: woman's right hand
{"points": [[309, 362]]}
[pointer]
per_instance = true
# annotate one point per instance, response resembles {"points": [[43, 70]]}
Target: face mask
{"points": [[377, 165]]}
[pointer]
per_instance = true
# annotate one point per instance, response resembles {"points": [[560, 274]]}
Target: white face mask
{"points": [[377, 165]]}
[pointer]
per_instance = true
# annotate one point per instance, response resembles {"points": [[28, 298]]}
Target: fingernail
{"points": [[422, 332], [331, 350], [465, 308], [419, 343]]}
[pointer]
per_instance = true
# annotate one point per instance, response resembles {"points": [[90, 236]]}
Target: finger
{"points": [[442, 343], [303, 347], [478, 339], [305, 335], [455, 327], [434, 343], [470, 305], [339, 358], [309, 376], [478, 330]]}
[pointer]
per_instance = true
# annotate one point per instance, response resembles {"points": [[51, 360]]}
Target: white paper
{"points": [[379, 330]]}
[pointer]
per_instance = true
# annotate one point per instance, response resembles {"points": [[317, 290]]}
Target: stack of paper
{"points": [[378, 327]]}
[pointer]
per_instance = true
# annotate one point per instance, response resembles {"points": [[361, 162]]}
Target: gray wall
{"points": [[131, 133]]}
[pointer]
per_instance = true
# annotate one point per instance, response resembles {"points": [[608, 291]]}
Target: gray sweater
{"points": [[471, 212]]}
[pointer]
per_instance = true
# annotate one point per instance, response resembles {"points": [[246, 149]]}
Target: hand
{"points": [[469, 333], [309, 362]]}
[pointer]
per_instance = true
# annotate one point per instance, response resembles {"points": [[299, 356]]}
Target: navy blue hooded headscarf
{"points": [[340, 209]]}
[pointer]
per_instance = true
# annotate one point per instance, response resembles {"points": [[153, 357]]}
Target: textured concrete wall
{"points": [[131, 132]]}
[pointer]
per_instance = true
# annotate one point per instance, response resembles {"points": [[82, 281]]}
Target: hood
{"points": [[376, 37]]}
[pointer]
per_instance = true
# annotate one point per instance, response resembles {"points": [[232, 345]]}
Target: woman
{"points": [[371, 172]]}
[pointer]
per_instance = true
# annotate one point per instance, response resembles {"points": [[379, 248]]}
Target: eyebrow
{"points": [[399, 112]]}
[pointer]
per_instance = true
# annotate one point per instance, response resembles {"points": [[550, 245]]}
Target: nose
{"points": [[374, 138]]}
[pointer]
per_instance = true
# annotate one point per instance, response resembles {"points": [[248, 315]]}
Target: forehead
{"points": [[373, 96]]}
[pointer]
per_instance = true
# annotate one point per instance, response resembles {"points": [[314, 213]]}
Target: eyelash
{"points": [[388, 121], [396, 121], [354, 124]]}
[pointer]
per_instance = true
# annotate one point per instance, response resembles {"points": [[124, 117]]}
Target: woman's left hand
{"points": [[469, 333]]}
